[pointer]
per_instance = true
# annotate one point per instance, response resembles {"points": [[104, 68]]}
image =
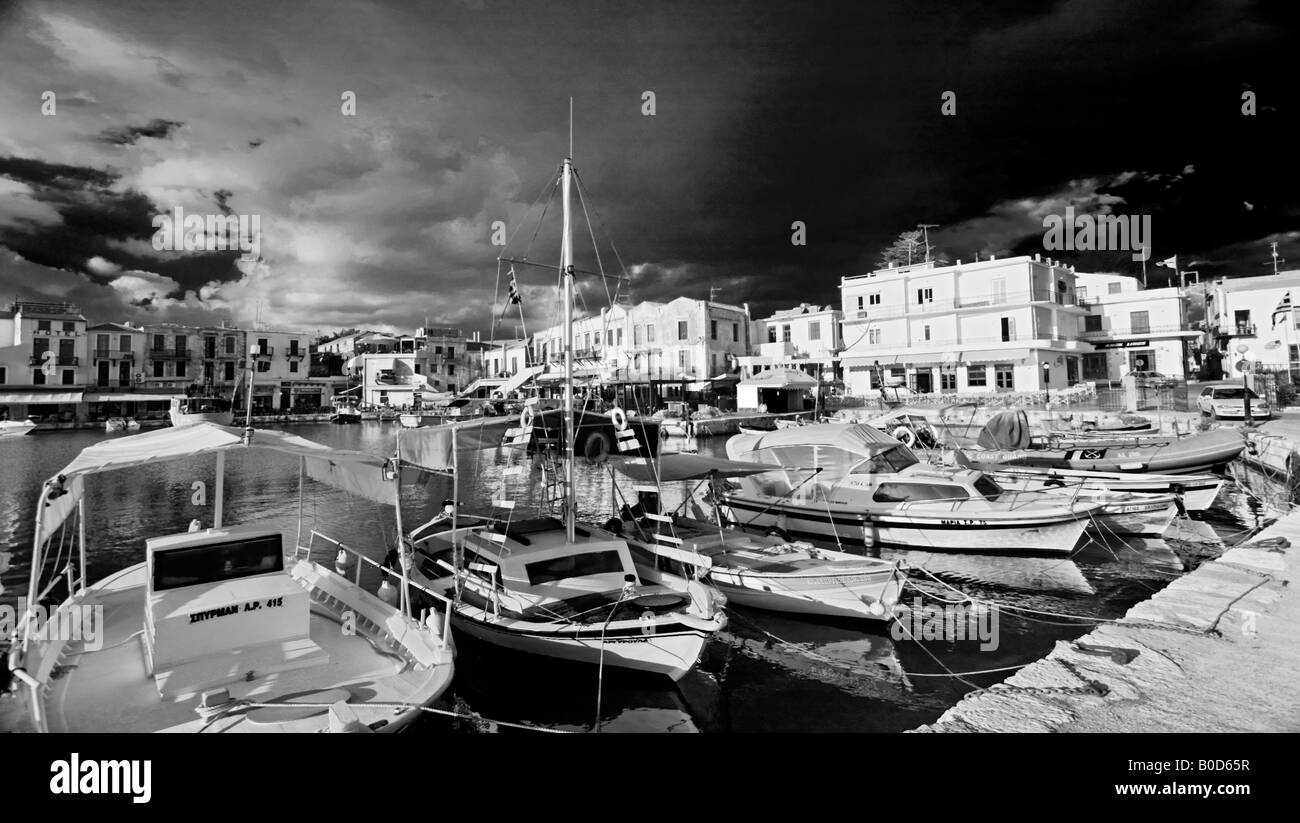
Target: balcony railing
{"points": [[1238, 330], [300, 353], [1066, 298], [1099, 334], [112, 354], [58, 360], [169, 354], [265, 351]]}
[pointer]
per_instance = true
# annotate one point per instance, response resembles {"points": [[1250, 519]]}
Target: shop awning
{"points": [[40, 397], [112, 397], [780, 379], [992, 356]]}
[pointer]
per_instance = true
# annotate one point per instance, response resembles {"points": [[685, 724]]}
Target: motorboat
{"points": [[346, 411], [121, 424], [1195, 492], [16, 428], [754, 570], [1006, 441], [219, 628], [854, 482], [201, 408]]}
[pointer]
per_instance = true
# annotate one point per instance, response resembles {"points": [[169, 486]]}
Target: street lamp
{"points": [[1244, 350]]}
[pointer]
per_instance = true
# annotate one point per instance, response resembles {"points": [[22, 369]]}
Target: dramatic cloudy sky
{"points": [[767, 113]]}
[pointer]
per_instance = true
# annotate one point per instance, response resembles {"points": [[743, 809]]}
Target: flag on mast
{"points": [[1170, 262], [1283, 308]]}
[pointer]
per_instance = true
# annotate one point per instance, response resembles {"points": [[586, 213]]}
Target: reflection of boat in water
{"points": [[752, 570], [219, 629], [1033, 574], [15, 428], [855, 482], [203, 408]]}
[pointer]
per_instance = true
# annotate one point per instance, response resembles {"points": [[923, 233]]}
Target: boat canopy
{"points": [[1007, 430], [684, 466], [355, 472], [831, 449], [780, 379]]}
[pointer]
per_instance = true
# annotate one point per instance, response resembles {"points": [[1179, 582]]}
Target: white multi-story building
{"points": [[44, 361], [282, 381], [1133, 329], [1245, 311], [807, 337], [992, 325]]}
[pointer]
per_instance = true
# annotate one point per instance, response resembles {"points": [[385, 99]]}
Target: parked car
{"points": [[1229, 400]]}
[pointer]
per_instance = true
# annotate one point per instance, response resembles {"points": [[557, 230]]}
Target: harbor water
{"points": [[766, 672]]}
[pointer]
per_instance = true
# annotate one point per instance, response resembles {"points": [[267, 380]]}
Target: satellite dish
{"points": [[1243, 348], [1272, 344]]}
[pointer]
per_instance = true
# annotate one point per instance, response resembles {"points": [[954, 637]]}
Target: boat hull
{"points": [[1145, 518], [1197, 493], [11, 428], [955, 532], [1197, 454], [868, 596]]}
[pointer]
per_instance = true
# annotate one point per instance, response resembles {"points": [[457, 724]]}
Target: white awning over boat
{"points": [[780, 379], [686, 466], [40, 397], [355, 472]]}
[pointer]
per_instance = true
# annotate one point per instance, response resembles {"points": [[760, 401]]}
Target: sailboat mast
{"points": [[566, 267]]}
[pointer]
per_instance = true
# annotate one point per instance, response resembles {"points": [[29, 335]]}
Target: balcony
{"points": [[59, 360], [264, 351], [301, 353], [110, 354], [169, 354], [1103, 334], [975, 301], [1237, 330]]}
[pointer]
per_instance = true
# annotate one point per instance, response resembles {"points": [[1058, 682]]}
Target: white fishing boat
{"points": [[204, 408], [218, 629], [758, 571], [16, 428], [546, 586], [345, 411], [1195, 492], [121, 424], [854, 482]]}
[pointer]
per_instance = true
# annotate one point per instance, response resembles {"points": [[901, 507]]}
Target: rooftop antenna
{"points": [[925, 228], [1276, 259]]}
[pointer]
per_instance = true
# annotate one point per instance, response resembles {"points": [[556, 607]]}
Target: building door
{"points": [[1071, 370], [124, 373], [923, 382], [67, 351], [102, 378]]}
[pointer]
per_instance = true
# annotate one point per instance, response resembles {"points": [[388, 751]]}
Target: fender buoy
{"points": [[904, 435], [619, 418], [526, 418], [597, 447]]}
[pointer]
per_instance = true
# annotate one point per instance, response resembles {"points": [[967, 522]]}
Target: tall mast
{"points": [[566, 268]]}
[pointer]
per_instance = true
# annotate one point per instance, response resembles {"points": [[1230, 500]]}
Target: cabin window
{"points": [[891, 460], [911, 492], [987, 487], [573, 565], [212, 563]]}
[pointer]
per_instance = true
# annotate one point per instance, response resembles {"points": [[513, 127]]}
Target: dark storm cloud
{"points": [[40, 173], [128, 135]]}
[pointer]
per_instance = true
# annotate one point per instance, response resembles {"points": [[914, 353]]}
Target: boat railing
{"points": [[1015, 499], [358, 560]]}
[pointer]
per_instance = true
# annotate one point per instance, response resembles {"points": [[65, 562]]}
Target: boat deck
{"points": [[111, 690], [741, 551]]}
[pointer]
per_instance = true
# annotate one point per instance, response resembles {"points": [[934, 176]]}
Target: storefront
{"points": [[50, 406]]}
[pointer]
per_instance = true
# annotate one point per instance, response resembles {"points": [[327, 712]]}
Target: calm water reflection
{"points": [[766, 673]]}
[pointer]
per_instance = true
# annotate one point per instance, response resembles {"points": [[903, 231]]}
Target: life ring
{"points": [[597, 447], [904, 435], [526, 418], [619, 418]]}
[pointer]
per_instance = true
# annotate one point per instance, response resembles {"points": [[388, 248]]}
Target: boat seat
{"points": [[196, 676]]}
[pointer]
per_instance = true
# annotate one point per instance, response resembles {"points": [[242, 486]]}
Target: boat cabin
{"points": [[220, 604], [532, 559]]}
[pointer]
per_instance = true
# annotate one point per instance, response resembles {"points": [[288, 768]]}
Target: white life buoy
{"points": [[904, 435], [619, 418], [526, 418]]}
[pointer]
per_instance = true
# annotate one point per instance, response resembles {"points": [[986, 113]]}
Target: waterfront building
{"points": [[44, 361], [1008, 325], [1133, 329], [282, 382], [1257, 312], [807, 338]]}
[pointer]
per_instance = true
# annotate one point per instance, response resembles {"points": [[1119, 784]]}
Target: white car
{"points": [[1228, 400]]}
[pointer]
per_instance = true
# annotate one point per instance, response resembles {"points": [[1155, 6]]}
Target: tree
{"points": [[908, 249]]}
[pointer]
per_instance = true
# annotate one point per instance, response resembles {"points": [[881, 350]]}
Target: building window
{"points": [[69, 327], [859, 302], [180, 342], [636, 335], [713, 329], [68, 375], [1008, 329], [713, 360], [609, 337], [1113, 288], [38, 378], [1295, 359], [925, 331], [1005, 376], [999, 290], [43, 326], [814, 331], [180, 368], [924, 296], [158, 368], [681, 359], [873, 299], [2, 375], [160, 342], [293, 365], [451, 351], [977, 377], [1092, 322], [785, 333], [230, 370], [771, 334], [230, 345], [451, 368], [735, 332], [947, 381], [649, 333], [681, 329], [1139, 322], [263, 366], [636, 362], [124, 342], [873, 336]]}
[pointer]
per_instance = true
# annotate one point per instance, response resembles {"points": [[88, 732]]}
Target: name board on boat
{"points": [[1122, 344], [235, 608]]}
